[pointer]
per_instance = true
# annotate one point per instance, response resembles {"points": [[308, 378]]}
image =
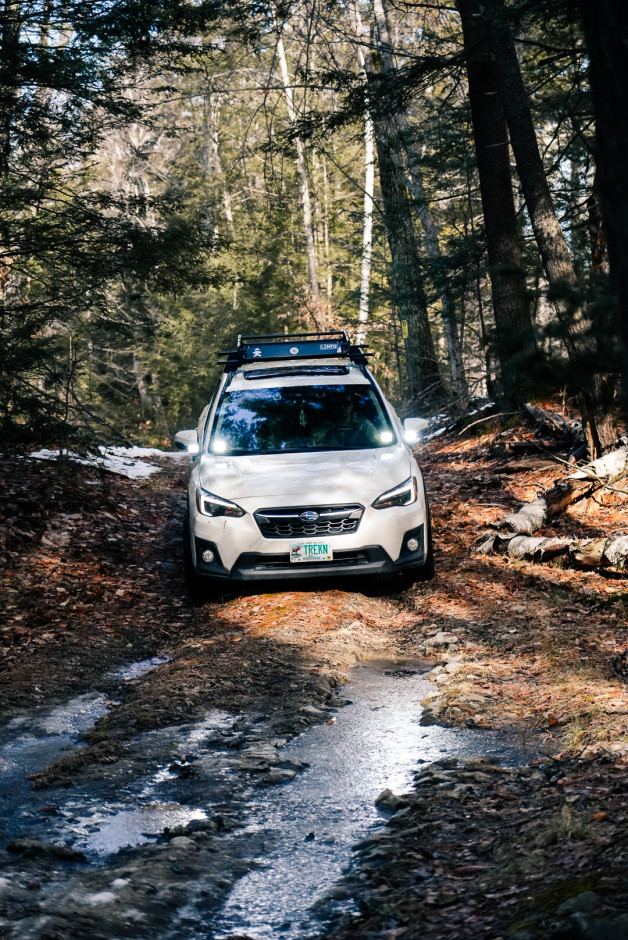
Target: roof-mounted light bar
{"points": [[292, 346]]}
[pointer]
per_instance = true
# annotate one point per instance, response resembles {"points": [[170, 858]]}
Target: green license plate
{"points": [[310, 551]]}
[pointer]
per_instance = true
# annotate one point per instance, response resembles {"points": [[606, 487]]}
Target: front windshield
{"points": [[300, 418]]}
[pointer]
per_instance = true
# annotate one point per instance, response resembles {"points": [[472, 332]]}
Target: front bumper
{"points": [[364, 561]]}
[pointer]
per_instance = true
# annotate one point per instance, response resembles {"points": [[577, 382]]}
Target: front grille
{"points": [[287, 522]]}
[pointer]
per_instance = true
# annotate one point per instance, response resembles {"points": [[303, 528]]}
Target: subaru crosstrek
{"points": [[302, 469]]}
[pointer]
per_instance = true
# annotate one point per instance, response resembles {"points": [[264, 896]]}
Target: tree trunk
{"points": [[516, 345], [581, 553], [369, 182], [606, 30], [367, 228], [10, 22], [432, 246], [304, 189], [414, 180], [596, 397], [425, 385]]}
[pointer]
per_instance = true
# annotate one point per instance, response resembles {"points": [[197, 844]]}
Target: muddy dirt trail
{"points": [[172, 771]]}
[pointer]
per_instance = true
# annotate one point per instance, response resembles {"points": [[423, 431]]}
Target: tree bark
{"points": [[414, 179], [425, 384], [581, 553], [606, 31], [534, 515], [576, 326], [367, 227], [516, 345], [369, 183], [304, 189], [10, 23]]}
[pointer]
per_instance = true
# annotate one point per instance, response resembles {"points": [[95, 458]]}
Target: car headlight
{"points": [[210, 505], [403, 495]]}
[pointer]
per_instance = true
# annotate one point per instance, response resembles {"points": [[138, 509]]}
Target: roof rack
{"points": [[293, 346]]}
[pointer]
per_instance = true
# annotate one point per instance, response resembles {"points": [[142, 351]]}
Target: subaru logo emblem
{"points": [[309, 516]]}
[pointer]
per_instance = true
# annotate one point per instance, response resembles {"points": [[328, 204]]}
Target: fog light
{"points": [[208, 556], [412, 545]]}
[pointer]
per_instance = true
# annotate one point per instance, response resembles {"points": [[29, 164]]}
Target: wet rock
{"points": [[388, 800], [31, 848], [585, 902], [311, 711], [293, 764], [182, 842], [260, 754], [275, 776]]}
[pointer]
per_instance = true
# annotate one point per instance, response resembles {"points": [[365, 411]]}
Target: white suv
{"points": [[302, 469]]}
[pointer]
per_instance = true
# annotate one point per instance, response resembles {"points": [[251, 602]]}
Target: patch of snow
{"points": [[433, 434], [125, 461], [135, 670], [99, 897]]}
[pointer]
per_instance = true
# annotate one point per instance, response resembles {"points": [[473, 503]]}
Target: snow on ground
{"points": [[125, 461]]}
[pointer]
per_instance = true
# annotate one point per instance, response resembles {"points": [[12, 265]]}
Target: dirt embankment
{"points": [[91, 579]]}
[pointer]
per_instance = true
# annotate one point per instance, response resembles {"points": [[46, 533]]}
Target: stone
{"points": [[313, 712], [182, 842], [583, 903], [31, 848], [390, 801], [441, 639], [276, 775]]}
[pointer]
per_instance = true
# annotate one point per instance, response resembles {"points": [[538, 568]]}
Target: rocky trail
{"points": [[167, 767]]}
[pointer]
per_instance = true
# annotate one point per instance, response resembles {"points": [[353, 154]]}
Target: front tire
{"points": [[194, 583], [424, 572]]}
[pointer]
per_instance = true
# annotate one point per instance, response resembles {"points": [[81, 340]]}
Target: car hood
{"points": [[318, 477]]}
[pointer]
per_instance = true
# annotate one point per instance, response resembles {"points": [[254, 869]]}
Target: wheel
{"points": [[424, 572], [194, 583]]}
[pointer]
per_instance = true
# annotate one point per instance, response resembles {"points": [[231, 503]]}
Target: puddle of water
{"points": [[135, 670], [375, 743], [29, 743], [136, 826], [144, 808]]}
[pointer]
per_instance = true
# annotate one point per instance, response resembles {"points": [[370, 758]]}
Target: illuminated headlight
{"points": [[210, 505], [403, 495]]}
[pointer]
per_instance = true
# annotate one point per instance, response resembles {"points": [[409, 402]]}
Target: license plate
{"points": [[310, 551]]}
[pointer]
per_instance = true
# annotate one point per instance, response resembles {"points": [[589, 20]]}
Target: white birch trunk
{"points": [[304, 189], [369, 188], [367, 230]]}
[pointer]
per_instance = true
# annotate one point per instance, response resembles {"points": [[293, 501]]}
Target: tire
{"points": [[196, 589], [424, 572]]}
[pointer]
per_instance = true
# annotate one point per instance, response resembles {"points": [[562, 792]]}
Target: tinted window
{"points": [[312, 417]]}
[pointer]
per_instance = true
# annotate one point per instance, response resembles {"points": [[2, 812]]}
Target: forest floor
{"points": [[91, 580]]}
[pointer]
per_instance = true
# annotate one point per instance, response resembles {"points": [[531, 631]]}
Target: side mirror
{"points": [[188, 441], [412, 428]]}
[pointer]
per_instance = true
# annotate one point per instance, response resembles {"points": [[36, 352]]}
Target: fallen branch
{"points": [[533, 516], [555, 422], [583, 483], [533, 447], [581, 553], [607, 469]]}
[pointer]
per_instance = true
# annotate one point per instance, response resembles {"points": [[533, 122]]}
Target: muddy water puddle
{"points": [[300, 832], [373, 744]]}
